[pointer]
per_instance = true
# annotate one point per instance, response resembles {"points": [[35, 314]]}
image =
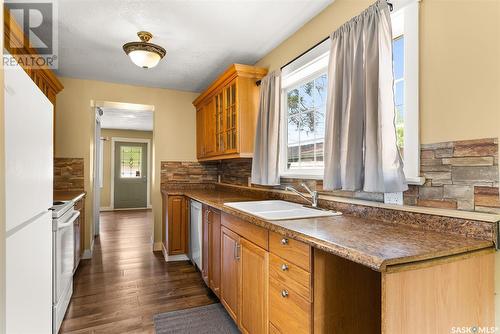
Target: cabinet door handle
{"points": [[284, 293], [237, 248], [284, 241], [284, 267]]}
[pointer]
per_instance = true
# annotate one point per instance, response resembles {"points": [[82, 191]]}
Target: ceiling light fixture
{"points": [[143, 53]]}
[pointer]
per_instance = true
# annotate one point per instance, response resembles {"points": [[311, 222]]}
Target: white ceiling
{"points": [[202, 37], [124, 119]]}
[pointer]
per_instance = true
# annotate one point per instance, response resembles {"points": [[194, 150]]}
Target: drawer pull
{"points": [[284, 241], [284, 267], [284, 293]]}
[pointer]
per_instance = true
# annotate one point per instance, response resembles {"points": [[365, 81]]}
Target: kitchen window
{"points": [[304, 86]]}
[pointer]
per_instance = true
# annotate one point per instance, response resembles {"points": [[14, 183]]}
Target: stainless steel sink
{"points": [[280, 210]]}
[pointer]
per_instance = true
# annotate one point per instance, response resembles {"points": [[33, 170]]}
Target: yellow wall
{"points": [[459, 63], [106, 165], [173, 135]]}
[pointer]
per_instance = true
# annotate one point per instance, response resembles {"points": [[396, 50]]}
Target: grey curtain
{"points": [[360, 136], [265, 163]]}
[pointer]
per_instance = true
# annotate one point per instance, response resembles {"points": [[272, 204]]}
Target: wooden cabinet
{"points": [[205, 129], [230, 272], [205, 244], [270, 283], [175, 213], [211, 244], [214, 250], [226, 114], [254, 288], [244, 276]]}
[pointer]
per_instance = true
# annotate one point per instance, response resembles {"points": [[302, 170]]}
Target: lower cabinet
{"points": [[272, 284], [244, 278], [254, 288], [214, 251], [211, 248], [177, 225], [230, 272]]}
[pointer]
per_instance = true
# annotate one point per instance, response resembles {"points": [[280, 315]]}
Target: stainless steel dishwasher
{"points": [[195, 233]]}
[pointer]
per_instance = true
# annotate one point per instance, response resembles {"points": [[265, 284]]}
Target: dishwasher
{"points": [[195, 233]]}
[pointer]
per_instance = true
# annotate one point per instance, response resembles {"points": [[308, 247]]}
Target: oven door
{"points": [[64, 255]]}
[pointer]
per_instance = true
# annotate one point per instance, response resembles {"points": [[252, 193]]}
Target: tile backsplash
{"points": [[68, 174], [459, 175]]}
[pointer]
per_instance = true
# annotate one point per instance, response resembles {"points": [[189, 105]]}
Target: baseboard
{"points": [[123, 209], [173, 258], [87, 253], [158, 246], [106, 208]]}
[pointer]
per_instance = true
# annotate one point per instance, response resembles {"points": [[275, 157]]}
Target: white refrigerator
{"points": [[28, 179]]}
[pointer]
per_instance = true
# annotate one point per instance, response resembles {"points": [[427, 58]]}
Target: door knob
{"points": [[284, 241], [284, 267], [284, 293]]}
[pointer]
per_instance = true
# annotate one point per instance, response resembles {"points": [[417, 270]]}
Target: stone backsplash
{"points": [[459, 175], [188, 172], [68, 174]]}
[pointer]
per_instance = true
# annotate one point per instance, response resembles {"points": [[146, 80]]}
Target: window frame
{"points": [[409, 10], [313, 61]]}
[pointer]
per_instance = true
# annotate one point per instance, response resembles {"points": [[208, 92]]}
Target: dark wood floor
{"points": [[126, 284]]}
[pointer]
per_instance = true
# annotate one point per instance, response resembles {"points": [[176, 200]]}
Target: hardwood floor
{"points": [[125, 284]]}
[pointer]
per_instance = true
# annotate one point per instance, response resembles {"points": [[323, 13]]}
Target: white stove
{"points": [[59, 208], [63, 218]]}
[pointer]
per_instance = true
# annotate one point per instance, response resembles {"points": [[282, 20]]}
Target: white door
{"points": [[29, 277]]}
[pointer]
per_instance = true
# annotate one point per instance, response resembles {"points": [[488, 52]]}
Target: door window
{"points": [[130, 161]]}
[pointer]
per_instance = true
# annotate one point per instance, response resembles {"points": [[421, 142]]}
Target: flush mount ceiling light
{"points": [[143, 53]]}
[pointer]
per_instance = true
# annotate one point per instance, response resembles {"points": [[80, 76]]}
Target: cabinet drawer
{"points": [[289, 312], [247, 230], [294, 251], [291, 276]]}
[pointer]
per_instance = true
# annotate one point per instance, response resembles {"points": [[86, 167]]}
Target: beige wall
{"points": [[173, 138], [459, 63], [106, 165]]}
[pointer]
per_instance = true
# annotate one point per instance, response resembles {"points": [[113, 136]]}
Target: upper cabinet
{"points": [[43, 77], [226, 114]]}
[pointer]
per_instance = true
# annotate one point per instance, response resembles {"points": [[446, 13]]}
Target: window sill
{"points": [[417, 181]]}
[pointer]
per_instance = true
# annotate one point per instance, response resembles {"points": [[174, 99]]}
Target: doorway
{"points": [[130, 173], [121, 180]]}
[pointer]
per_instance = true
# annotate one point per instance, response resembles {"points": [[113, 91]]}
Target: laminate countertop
{"points": [[75, 196], [372, 243]]}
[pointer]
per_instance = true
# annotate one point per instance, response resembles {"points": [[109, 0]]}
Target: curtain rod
{"points": [[391, 7]]}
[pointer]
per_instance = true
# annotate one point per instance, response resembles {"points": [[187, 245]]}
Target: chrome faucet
{"points": [[314, 194]]}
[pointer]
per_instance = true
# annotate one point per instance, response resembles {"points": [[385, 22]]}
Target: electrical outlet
{"points": [[393, 198]]}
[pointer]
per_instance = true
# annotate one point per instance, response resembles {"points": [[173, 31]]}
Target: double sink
{"points": [[280, 210]]}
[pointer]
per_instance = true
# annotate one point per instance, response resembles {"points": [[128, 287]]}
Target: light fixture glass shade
{"points": [[144, 58], [144, 54]]}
